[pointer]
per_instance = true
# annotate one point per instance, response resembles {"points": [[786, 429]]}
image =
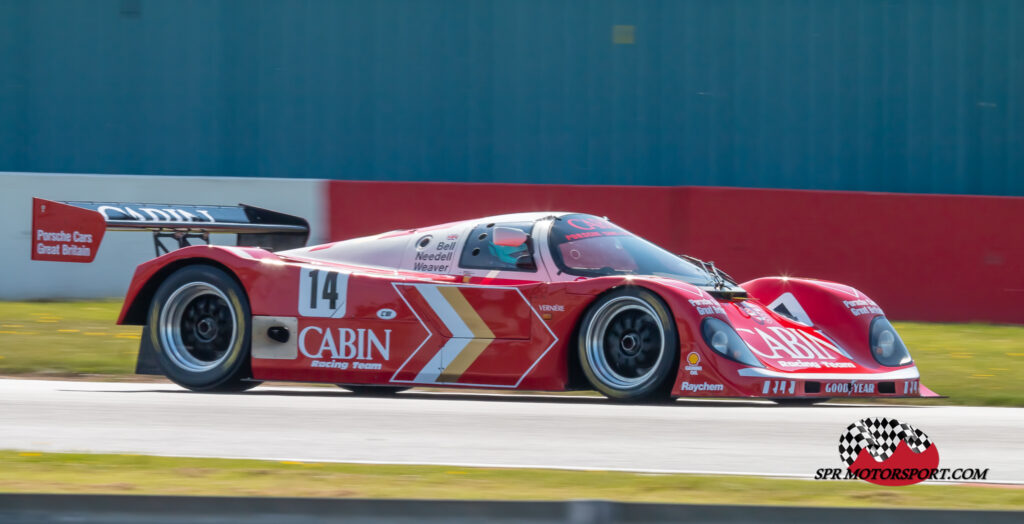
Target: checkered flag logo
{"points": [[880, 436]]}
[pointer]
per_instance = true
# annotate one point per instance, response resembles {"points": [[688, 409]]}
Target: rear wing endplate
{"points": [[72, 231]]}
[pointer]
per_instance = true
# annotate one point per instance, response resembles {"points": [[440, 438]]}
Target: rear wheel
{"points": [[373, 391], [200, 326], [628, 346]]}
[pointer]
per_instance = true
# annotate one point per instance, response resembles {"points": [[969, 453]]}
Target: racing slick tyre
{"points": [[200, 327], [373, 391], [629, 346]]}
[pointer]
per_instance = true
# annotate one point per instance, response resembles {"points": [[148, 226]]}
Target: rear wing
{"points": [[72, 231]]}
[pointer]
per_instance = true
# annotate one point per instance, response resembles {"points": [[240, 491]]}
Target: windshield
{"points": [[589, 246]]}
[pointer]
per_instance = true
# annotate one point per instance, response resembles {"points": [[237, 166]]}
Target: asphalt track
{"points": [[327, 424]]}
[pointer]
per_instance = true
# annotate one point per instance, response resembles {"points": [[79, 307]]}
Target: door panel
{"points": [[487, 335]]}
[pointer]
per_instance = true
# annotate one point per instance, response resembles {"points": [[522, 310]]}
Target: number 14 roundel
{"points": [[322, 293]]}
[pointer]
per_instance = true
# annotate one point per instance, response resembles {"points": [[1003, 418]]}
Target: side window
{"points": [[480, 252]]}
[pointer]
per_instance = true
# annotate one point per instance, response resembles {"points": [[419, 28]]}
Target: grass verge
{"points": [[66, 339], [973, 364], [23, 472]]}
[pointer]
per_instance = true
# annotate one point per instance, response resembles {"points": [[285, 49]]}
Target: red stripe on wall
{"points": [[921, 257]]}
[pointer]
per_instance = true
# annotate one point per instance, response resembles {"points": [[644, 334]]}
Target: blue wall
{"points": [[885, 95]]}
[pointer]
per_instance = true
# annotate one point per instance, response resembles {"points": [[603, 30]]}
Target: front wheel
{"points": [[629, 346], [200, 326]]}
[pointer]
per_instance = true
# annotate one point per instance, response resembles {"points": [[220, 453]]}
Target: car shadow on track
{"points": [[495, 397]]}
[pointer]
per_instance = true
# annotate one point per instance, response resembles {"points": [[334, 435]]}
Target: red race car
{"points": [[530, 301]]}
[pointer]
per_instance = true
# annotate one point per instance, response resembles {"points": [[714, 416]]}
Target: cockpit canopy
{"points": [[589, 246], [579, 245]]}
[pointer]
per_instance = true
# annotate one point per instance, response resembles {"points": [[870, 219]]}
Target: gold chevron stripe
{"points": [[465, 358], [466, 312]]}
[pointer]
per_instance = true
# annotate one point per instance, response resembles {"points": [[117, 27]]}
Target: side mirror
{"points": [[509, 237]]}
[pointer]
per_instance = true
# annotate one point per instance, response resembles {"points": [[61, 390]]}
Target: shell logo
{"points": [[693, 363]]}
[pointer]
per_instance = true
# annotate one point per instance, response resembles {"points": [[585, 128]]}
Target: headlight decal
{"points": [[887, 347], [724, 340]]}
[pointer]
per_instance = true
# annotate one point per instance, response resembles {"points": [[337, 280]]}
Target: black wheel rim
{"points": [[632, 343], [198, 327], [624, 343], [206, 328]]}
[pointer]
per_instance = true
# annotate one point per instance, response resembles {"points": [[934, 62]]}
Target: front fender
{"points": [[842, 312], [701, 372]]}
